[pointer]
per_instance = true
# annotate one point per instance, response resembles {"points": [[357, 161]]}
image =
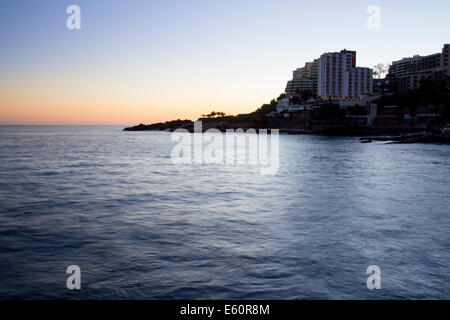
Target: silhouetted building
{"points": [[408, 73]]}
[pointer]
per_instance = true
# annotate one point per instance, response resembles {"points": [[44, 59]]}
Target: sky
{"points": [[144, 61]]}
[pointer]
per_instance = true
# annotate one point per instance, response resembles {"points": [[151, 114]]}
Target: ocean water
{"points": [[141, 227]]}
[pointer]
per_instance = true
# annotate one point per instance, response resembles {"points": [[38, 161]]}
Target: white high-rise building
{"points": [[358, 82], [332, 67], [338, 76]]}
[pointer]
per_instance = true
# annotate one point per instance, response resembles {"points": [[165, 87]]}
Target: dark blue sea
{"points": [[140, 227]]}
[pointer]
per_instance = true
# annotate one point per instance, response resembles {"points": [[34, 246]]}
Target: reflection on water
{"points": [[140, 227]]}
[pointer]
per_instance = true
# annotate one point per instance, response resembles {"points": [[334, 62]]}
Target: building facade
{"points": [[353, 60], [408, 73], [358, 82], [445, 59], [332, 67], [338, 76], [304, 79]]}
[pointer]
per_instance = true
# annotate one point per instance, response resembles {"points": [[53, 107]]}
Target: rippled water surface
{"points": [[140, 227]]}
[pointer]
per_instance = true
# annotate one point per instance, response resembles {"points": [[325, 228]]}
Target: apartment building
{"points": [[358, 82], [304, 79], [338, 76], [445, 59], [408, 73], [332, 67]]}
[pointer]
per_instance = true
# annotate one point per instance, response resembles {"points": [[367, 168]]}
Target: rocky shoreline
{"points": [[368, 134], [221, 124]]}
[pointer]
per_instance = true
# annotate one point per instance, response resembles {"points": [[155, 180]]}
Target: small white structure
{"points": [[283, 105]]}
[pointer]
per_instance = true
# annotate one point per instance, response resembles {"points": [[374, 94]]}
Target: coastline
{"points": [[367, 133]]}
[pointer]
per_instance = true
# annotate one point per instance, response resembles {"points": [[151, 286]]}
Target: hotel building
{"points": [[304, 79], [338, 76], [409, 72], [358, 82]]}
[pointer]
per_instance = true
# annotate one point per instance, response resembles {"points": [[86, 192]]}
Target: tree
{"points": [[380, 69], [214, 114]]}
